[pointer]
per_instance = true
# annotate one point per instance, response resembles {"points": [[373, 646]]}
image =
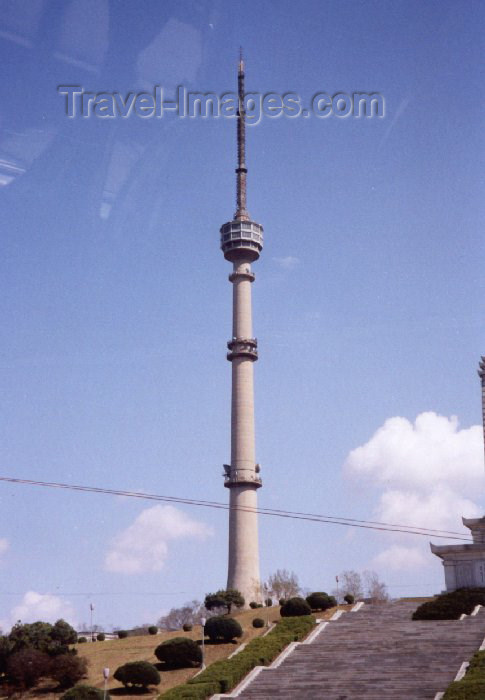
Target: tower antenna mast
{"points": [[241, 170], [481, 374]]}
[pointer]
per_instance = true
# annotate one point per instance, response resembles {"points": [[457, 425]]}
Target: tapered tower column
{"points": [[241, 243]]}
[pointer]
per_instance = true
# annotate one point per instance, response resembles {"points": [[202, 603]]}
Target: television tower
{"points": [[241, 243]]}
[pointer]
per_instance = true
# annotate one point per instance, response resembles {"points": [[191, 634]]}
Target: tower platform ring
{"points": [[241, 239]]}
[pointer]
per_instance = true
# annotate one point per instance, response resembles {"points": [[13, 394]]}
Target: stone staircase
{"points": [[376, 653]]}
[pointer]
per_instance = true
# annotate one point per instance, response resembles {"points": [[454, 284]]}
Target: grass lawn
{"points": [[114, 653]]}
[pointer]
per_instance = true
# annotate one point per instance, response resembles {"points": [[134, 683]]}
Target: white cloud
{"points": [[143, 547], [399, 558], [42, 606], [432, 450], [428, 472], [287, 263], [439, 507], [4, 545]]}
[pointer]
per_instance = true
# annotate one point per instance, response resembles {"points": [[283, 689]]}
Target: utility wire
{"points": [[349, 522]]}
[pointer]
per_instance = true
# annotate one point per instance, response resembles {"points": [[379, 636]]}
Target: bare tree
{"points": [[190, 614], [375, 589], [351, 582], [283, 584]]}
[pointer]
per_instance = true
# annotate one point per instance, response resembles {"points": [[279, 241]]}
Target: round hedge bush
{"points": [[221, 627], [179, 652], [137, 673], [282, 601], [321, 601], [268, 602], [449, 606], [294, 607], [122, 634], [349, 598], [253, 605], [258, 622], [101, 637], [153, 629], [187, 627], [82, 640], [84, 692]]}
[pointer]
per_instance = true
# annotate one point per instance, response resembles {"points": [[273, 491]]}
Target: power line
{"points": [[94, 594], [311, 517]]}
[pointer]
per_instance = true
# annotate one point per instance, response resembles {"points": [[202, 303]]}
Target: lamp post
{"points": [[336, 578], [265, 600], [105, 676], [91, 608], [202, 622]]}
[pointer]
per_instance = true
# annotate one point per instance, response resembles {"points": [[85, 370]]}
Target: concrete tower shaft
{"points": [[241, 243], [242, 475], [242, 353]]}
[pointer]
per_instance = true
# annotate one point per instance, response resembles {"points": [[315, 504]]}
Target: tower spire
{"points": [[481, 374], [241, 170]]}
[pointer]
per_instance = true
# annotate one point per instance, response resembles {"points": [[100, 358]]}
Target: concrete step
{"points": [[377, 653]]}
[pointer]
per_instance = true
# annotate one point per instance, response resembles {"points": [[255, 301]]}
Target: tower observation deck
{"points": [[242, 242]]}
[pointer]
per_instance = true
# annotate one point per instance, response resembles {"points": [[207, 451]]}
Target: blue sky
{"points": [[115, 304]]}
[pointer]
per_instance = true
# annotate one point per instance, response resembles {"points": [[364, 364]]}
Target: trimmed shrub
{"points": [[82, 640], [472, 685], [192, 692], [220, 627], [101, 637], [449, 606], [84, 692], [477, 664], [67, 669], [282, 601], [179, 652], [349, 598], [26, 667], [253, 605], [295, 607], [187, 627], [321, 601], [153, 629], [258, 622], [268, 602], [137, 673], [122, 634], [224, 675], [473, 689]]}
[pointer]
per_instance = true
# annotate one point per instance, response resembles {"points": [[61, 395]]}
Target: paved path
{"points": [[376, 653]]}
